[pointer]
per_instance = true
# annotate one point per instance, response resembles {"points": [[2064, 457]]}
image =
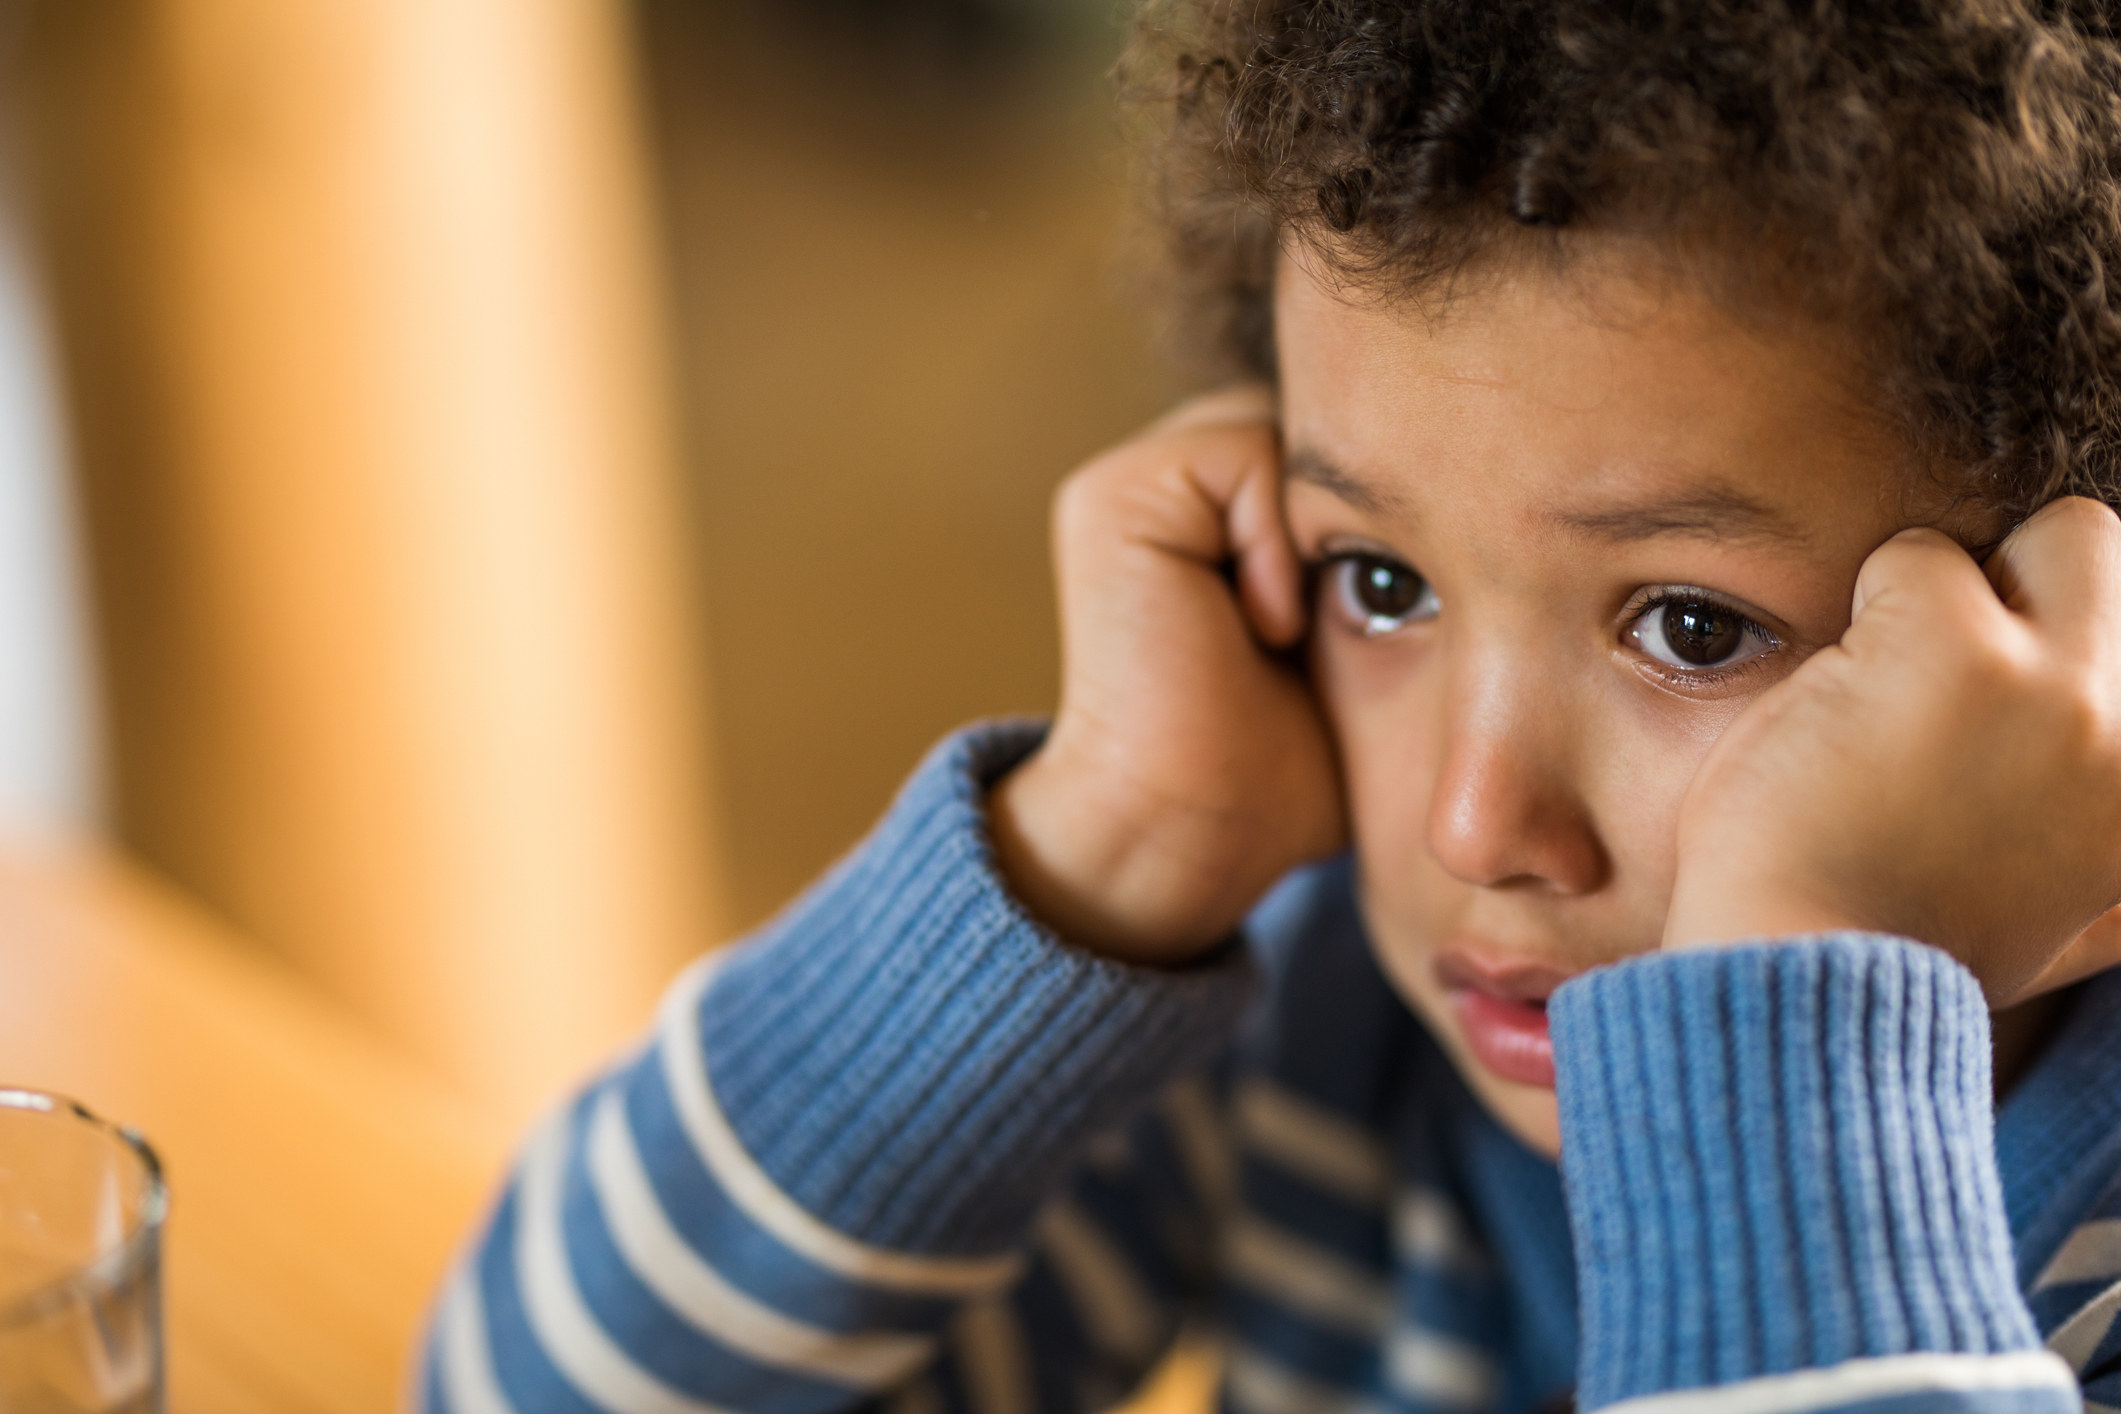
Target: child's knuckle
{"points": [[2080, 516], [1084, 496], [1989, 677], [2079, 718]]}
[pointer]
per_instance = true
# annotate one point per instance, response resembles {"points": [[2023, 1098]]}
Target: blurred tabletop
{"points": [[319, 1183]]}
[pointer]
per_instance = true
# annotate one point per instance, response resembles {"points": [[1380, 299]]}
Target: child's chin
{"points": [[1528, 1112]]}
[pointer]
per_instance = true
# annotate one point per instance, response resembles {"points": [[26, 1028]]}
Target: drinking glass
{"points": [[81, 1208]]}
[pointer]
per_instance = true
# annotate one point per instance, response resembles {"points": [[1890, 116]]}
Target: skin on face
{"points": [[1566, 461]]}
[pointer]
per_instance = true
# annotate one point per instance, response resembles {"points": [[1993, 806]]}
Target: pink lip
{"points": [[1502, 1010], [1509, 1038]]}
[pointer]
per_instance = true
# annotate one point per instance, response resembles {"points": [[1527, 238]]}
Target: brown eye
{"points": [[1702, 634], [1384, 589], [1379, 594], [1688, 633]]}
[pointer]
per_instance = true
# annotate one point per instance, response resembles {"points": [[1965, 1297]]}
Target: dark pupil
{"points": [[1385, 589], [1701, 633]]}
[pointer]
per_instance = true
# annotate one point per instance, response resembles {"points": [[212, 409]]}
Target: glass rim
{"points": [[116, 1264]]}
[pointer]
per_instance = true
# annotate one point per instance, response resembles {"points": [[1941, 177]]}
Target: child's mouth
{"points": [[1509, 1038]]}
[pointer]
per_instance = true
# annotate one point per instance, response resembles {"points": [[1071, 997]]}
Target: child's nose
{"points": [[1504, 811]]}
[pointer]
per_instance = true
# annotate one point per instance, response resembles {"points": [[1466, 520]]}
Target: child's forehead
{"points": [[1945, 172], [1596, 392], [1608, 310]]}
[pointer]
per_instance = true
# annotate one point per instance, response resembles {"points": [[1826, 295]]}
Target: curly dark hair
{"points": [[1940, 174]]}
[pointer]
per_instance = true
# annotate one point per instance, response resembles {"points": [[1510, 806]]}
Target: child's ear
{"points": [[2096, 949]]}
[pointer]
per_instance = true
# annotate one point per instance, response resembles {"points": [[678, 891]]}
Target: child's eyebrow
{"points": [[1715, 512], [1309, 464], [1720, 513]]}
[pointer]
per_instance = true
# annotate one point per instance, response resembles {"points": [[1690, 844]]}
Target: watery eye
{"points": [[1379, 595], [1691, 633]]}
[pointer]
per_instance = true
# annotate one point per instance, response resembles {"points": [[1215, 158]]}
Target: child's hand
{"points": [[1951, 771], [1188, 769]]}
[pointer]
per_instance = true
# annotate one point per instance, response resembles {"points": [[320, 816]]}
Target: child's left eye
{"points": [[1695, 634]]}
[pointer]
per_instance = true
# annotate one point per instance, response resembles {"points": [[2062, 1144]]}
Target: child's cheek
{"points": [[1383, 701], [1380, 699], [1643, 749]]}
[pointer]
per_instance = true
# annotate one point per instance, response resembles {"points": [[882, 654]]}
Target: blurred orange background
{"points": [[493, 497]]}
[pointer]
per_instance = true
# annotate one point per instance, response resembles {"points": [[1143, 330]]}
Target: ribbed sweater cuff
{"points": [[1780, 1157], [914, 1059]]}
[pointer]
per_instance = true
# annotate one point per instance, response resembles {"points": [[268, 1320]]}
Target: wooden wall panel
{"points": [[361, 326], [903, 329]]}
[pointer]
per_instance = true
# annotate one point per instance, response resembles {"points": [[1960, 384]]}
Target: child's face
{"points": [[1582, 523]]}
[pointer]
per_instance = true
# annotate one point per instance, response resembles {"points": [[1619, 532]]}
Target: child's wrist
{"points": [[1089, 864], [1743, 920]]}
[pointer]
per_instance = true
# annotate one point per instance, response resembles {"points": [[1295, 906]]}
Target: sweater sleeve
{"points": [[863, 1152], [1781, 1173]]}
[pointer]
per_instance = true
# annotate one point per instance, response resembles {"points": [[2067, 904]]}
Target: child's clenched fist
{"points": [[1950, 771], [1188, 767]]}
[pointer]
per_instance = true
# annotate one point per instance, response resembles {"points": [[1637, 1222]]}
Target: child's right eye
{"points": [[1376, 594]]}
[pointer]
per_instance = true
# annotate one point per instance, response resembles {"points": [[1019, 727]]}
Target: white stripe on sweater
{"points": [[1109, 1153], [565, 1327], [920, 1397], [1429, 1231], [1257, 1384], [989, 1344], [694, 1291], [1438, 1369], [1119, 1315], [1328, 1150], [2077, 1339], [468, 1382], [1861, 1381], [1203, 1145], [749, 1187], [2092, 1253], [1304, 1277]]}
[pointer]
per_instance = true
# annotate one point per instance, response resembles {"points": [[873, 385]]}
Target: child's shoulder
{"points": [[1311, 913], [1331, 1028], [2058, 1143]]}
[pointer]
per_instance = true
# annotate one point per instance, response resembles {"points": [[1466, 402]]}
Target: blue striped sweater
{"points": [[905, 1150]]}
